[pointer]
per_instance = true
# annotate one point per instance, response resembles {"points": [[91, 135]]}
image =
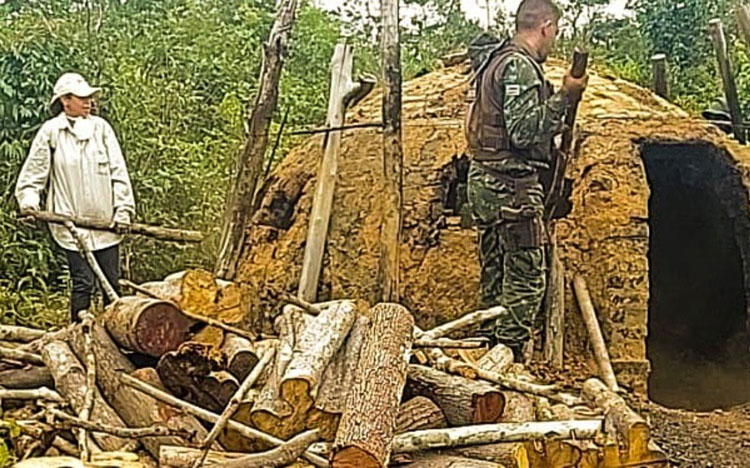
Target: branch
{"points": [[282, 455], [42, 393], [18, 355], [123, 432]]}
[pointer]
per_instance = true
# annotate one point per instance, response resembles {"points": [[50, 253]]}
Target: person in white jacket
{"points": [[75, 157]]}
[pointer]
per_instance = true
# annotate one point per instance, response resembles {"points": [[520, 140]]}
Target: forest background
{"points": [[179, 75]]}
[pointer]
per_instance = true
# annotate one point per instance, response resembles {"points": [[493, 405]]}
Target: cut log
{"points": [[367, 424], [22, 334], [148, 326], [518, 408], [498, 359], [462, 400], [449, 461], [186, 371], [495, 433], [632, 430], [337, 380], [26, 377], [554, 310], [222, 385], [134, 408], [70, 381], [507, 454], [595, 332], [419, 413], [240, 355]]}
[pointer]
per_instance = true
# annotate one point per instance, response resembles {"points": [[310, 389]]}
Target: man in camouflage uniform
{"points": [[510, 128]]}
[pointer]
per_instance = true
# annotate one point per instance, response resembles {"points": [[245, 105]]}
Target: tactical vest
{"points": [[485, 128]]}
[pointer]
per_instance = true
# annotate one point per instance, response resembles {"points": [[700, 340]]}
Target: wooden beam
{"points": [[659, 67], [393, 157], [727, 76], [241, 204]]}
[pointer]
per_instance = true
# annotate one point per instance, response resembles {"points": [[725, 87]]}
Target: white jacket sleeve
{"points": [[32, 179], [121, 188]]}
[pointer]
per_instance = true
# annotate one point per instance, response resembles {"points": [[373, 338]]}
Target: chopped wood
{"points": [[467, 321], [449, 461], [26, 377], [463, 401], [234, 403], [22, 334], [632, 429], [364, 435], [498, 359], [20, 355], [133, 407], [146, 325], [601, 354], [42, 393], [209, 416], [419, 413], [495, 433], [240, 355]]}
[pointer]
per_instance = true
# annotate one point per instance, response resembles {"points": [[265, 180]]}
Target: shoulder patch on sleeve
{"points": [[512, 90]]}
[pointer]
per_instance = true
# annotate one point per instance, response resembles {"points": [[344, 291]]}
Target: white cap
{"points": [[72, 83]]}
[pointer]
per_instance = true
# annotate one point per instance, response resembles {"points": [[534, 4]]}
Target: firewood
{"points": [[364, 435], [495, 433], [240, 355], [70, 377], [632, 429], [22, 334], [337, 380], [135, 409], [419, 413], [462, 400], [211, 417], [148, 326], [498, 359], [20, 355], [449, 461], [26, 377]]}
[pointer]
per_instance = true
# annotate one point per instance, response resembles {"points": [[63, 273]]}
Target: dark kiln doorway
{"points": [[698, 236]]}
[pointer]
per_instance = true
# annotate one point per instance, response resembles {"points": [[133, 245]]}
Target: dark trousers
{"points": [[84, 280]]}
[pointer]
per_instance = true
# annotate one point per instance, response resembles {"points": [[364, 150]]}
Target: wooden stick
{"points": [[210, 416], [157, 232], [555, 309], [727, 76], [22, 334], [743, 18], [282, 455], [42, 393], [69, 421], [199, 318], [91, 260], [19, 355], [447, 343], [317, 231], [466, 321], [388, 280], [495, 433], [313, 131], [301, 303], [659, 67], [595, 333], [234, 403], [26, 377], [88, 399]]}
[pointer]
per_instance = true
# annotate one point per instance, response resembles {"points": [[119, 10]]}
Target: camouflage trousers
{"points": [[507, 211]]}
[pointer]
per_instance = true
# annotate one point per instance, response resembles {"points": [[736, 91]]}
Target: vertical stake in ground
{"points": [[727, 76], [659, 67]]}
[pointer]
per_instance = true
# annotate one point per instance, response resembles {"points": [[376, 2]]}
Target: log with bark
{"points": [[20, 334], [145, 325], [507, 454], [498, 359], [133, 407], [188, 373], [364, 435], [240, 355], [462, 400], [20, 355], [70, 380], [419, 413], [26, 377]]}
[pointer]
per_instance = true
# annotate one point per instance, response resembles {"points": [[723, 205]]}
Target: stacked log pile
{"points": [[339, 384]]}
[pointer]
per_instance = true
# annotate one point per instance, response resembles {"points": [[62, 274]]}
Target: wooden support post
{"points": [[661, 82], [743, 18], [727, 76], [325, 185], [241, 204], [554, 305], [595, 332], [393, 157]]}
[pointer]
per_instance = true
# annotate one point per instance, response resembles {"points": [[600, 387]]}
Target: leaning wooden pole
{"points": [[743, 18], [554, 308], [317, 231], [595, 332], [249, 167], [393, 157], [727, 76], [659, 67]]}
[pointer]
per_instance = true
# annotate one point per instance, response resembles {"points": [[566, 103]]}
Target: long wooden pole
{"points": [[393, 157], [91, 260], [659, 67], [241, 204], [743, 18], [157, 232], [727, 76], [554, 336], [595, 332]]}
